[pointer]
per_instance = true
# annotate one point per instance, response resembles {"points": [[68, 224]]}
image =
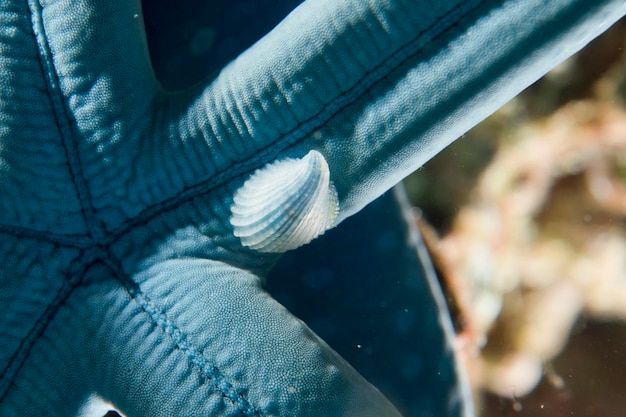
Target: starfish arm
{"points": [[97, 76], [95, 53], [34, 172], [171, 342], [34, 280], [274, 364], [379, 87], [404, 345]]}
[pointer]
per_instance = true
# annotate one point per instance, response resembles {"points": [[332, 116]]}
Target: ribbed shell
{"points": [[285, 204]]}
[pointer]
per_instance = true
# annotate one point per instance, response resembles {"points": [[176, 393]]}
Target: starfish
{"points": [[121, 279]]}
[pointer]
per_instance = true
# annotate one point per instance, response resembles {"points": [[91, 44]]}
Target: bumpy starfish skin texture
{"points": [[120, 277]]}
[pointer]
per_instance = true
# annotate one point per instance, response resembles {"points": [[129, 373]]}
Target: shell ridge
{"points": [[268, 229], [264, 187], [317, 220], [285, 204], [269, 212], [302, 231]]}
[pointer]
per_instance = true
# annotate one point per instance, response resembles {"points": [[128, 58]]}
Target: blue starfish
{"points": [[121, 280]]}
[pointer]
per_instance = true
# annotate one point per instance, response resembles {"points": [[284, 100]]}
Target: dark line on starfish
{"points": [[64, 240], [72, 281], [195, 356], [63, 121]]}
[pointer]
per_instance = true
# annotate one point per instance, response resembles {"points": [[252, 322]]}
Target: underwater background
{"points": [[526, 219]]}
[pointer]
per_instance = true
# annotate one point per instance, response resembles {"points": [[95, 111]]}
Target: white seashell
{"points": [[285, 204]]}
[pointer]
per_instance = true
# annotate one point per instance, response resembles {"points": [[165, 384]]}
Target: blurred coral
{"points": [[533, 235], [543, 240]]}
